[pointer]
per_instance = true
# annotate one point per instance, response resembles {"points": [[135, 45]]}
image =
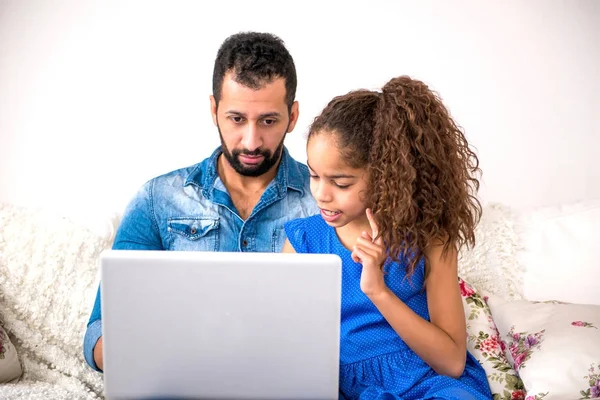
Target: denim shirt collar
{"points": [[288, 176]]}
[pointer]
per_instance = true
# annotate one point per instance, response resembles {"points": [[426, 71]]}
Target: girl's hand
{"points": [[371, 254]]}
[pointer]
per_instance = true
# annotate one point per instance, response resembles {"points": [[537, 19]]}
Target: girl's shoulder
{"points": [[301, 232], [303, 224]]}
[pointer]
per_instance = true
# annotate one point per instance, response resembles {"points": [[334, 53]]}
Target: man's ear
{"points": [[294, 114], [213, 109]]}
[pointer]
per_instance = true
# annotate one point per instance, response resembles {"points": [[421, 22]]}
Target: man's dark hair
{"points": [[255, 59]]}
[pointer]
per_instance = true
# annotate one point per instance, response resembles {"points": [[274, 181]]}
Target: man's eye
{"points": [[269, 121], [235, 119]]}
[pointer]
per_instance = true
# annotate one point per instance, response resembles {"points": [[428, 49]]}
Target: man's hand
{"points": [[370, 251], [98, 358]]}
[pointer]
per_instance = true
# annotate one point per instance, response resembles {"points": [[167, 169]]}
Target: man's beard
{"points": [[269, 159]]}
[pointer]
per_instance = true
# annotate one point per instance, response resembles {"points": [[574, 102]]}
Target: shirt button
{"points": [[245, 243], [193, 231]]}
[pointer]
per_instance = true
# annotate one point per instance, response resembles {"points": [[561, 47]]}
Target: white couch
{"points": [[48, 281]]}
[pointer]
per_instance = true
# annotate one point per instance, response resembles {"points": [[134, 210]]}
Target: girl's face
{"points": [[338, 188]]}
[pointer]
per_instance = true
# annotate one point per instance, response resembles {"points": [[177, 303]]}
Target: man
{"points": [[239, 198]]}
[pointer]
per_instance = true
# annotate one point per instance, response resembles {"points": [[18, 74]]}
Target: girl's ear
{"points": [[362, 196]]}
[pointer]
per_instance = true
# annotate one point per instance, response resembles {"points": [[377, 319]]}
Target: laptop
{"points": [[209, 325]]}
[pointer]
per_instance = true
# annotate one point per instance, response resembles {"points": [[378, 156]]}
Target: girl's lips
{"points": [[330, 216]]}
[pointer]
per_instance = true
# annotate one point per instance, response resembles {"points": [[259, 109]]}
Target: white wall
{"points": [[96, 97]]}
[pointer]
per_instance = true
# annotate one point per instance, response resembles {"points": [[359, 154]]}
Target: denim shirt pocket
{"points": [[277, 240], [194, 234]]}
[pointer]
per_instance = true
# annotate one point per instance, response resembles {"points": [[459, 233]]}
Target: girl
{"points": [[395, 181]]}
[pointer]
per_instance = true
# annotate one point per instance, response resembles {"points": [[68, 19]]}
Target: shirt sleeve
{"points": [[296, 234], [92, 334], [138, 230]]}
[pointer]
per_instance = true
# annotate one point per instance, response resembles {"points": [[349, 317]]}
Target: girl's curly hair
{"points": [[422, 182]]}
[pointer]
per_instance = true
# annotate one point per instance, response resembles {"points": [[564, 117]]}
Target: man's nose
{"points": [[251, 139]]}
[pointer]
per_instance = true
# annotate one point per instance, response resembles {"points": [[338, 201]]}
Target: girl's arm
{"points": [[442, 342], [287, 247]]}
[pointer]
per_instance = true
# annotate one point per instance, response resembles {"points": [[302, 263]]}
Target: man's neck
{"points": [[234, 182]]}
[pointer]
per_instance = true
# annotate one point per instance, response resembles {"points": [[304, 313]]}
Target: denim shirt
{"points": [[190, 209]]}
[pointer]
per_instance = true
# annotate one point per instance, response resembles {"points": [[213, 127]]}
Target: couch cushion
{"points": [[485, 345], [559, 252], [554, 347]]}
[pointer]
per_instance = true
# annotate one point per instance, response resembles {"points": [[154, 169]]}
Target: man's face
{"points": [[252, 124]]}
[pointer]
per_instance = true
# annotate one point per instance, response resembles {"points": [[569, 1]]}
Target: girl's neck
{"points": [[349, 233]]}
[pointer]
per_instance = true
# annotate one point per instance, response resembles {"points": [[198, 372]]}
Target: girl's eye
{"points": [[342, 186], [314, 177]]}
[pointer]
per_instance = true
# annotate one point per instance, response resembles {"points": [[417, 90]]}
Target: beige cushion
{"points": [[10, 367]]}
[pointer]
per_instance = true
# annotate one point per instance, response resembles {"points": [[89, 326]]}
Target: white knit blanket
{"points": [[48, 269], [48, 281], [492, 266]]}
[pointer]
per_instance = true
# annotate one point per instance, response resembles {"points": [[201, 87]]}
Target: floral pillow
{"points": [[10, 367], [485, 345], [554, 347]]}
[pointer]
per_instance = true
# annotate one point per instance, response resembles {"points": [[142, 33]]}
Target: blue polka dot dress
{"points": [[375, 363]]}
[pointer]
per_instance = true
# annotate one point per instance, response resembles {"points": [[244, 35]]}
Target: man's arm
{"points": [[138, 231], [92, 334]]}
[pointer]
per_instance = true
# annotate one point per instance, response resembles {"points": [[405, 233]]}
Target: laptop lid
{"points": [[220, 325]]}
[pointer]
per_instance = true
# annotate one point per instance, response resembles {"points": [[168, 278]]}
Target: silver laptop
{"points": [[220, 325]]}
